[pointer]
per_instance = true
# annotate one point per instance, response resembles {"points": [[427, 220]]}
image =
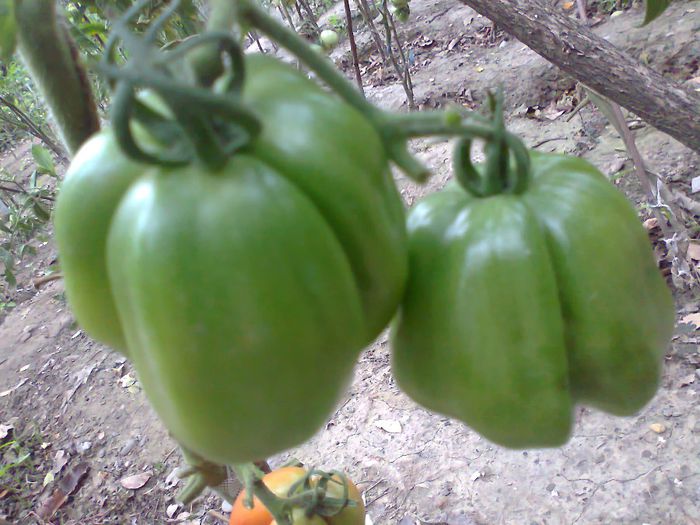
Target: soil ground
{"points": [[77, 408]]}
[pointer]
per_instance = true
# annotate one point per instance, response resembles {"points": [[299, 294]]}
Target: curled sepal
{"points": [[200, 122], [201, 474], [465, 171]]}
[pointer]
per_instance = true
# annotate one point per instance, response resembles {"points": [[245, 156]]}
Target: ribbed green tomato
{"points": [[244, 295], [520, 306]]}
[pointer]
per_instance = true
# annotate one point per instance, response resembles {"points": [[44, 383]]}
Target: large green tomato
{"points": [[520, 306], [245, 295]]}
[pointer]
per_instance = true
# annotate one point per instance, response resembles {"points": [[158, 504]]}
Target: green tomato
{"points": [[242, 296], [518, 307], [329, 39], [400, 12]]}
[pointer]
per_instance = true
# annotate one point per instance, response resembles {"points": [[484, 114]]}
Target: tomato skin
{"points": [[248, 292], [313, 139], [92, 188], [519, 307], [279, 482]]}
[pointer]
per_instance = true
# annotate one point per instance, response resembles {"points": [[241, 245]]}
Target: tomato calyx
{"points": [[289, 493], [205, 125], [497, 175]]}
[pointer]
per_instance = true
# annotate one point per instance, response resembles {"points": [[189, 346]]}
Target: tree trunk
{"points": [[599, 65]]}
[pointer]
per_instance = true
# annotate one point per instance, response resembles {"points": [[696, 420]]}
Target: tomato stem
{"points": [[250, 477]]}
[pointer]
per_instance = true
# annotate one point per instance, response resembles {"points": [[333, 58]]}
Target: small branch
{"points": [[311, 16], [406, 65], [40, 281], [318, 63], [597, 63], [353, 47], [29, 126], [22, 191], [256, 39], [52, 59], [206, 61]]}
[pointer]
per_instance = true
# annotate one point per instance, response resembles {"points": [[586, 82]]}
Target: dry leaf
{"points": [[8, 392], [59, 461], [692, 319], [80, 379], [658, 428], [5, 430], [650, 224], [688, 380], [136, 481], [172, 479], [24, 368], [127, 381], [388, 425], [172, 509], [66, 487], [695, 184], [568, 5], [694, 251], [49, 478]]}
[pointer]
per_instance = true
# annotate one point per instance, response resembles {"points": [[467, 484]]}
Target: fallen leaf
{"points": [[49, 478], [650, 224], [388, 425], [692, 319], [688, 380], [66, 487], [694, 251], [59, 461], [695, 183], [568, 5], [172, 479], [182, 516], [172, 509], [5, 430], [8, 392], [658, 428], [127, 381], [24, 368], [136, 481], [79, 378]]}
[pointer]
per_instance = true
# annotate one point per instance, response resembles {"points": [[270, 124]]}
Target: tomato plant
{"points": [[246, 291], [525, 301], [281, 483]]}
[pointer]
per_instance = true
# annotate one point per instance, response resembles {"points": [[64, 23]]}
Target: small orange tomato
{"points": [[279, 482]]}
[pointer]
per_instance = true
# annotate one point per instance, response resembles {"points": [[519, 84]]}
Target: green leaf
{"points": [[654, 9], [8, 30], [93, 28], [43, 159], [41, 213]]}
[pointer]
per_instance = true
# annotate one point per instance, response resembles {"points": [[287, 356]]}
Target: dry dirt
{"points": [[76, 409]]}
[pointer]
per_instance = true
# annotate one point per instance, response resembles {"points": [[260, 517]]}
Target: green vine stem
{"points": [[395, 129], [250, 476], [206, 62], [53, 61]]}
